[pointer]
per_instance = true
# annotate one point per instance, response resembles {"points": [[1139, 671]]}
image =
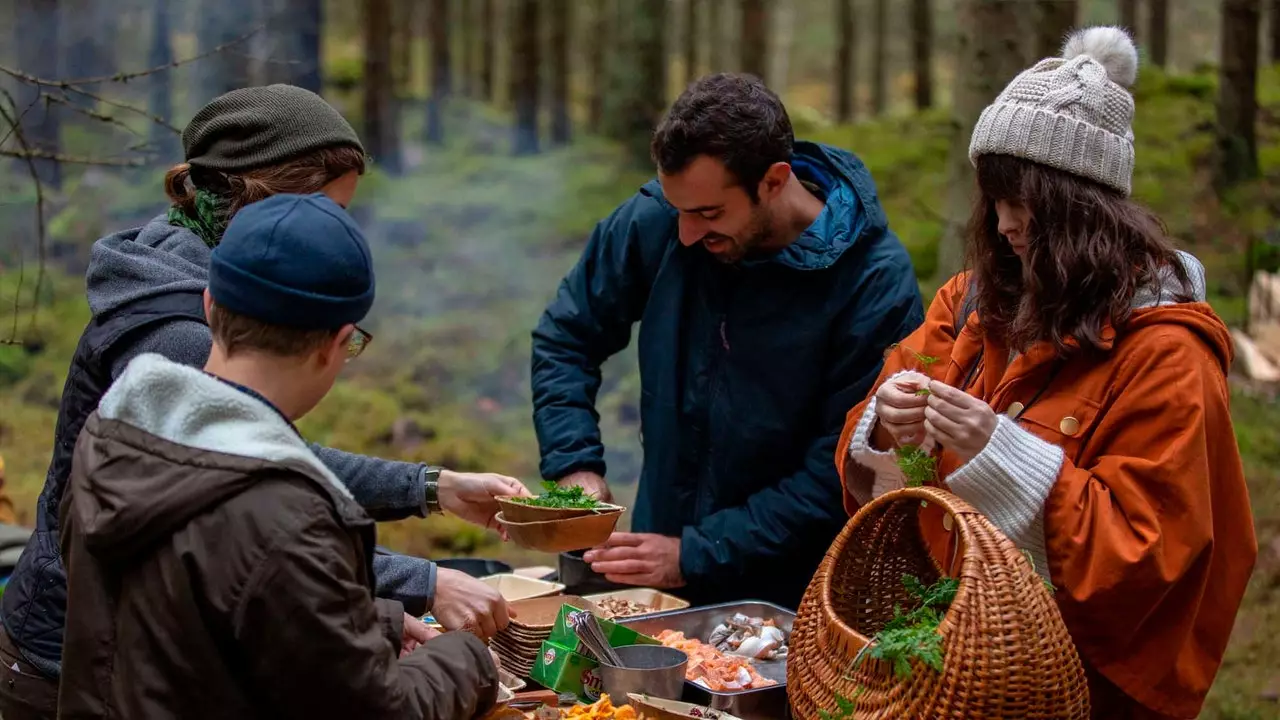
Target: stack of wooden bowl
{"points": [[518, 644], [557, 529]]}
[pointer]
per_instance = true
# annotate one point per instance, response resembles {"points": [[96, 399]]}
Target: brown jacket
{"points": [[218, 570], [1118, 472]]}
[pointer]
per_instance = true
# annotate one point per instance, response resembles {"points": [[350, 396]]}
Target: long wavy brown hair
{"points": [[1090, 250]]}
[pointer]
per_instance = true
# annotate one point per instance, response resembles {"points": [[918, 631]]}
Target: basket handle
{"points": [[962, 512]]}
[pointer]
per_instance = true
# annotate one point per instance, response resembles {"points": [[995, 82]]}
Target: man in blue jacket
{"points": [[767, 285]]}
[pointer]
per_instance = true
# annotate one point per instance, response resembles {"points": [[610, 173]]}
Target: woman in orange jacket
{"points": [[1079, 396]]}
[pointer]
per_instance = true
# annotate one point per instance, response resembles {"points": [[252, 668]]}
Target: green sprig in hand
{"points": [[918, 464]]}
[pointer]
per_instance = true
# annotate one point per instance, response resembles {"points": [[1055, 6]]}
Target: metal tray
{"points": [[758, 704]]}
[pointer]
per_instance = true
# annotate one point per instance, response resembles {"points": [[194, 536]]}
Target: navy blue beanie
{"points": [[296, 261]]}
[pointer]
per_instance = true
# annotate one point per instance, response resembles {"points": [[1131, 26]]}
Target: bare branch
{"points": [[126, 77], [38, 154], [12, 119], [66, 102], [20, 117], [126, 106]]}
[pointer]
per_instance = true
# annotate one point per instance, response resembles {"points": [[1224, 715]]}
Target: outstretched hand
{"points": [[473, 496]]}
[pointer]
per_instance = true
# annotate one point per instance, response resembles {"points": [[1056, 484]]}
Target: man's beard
{"points": [[758, 234]]}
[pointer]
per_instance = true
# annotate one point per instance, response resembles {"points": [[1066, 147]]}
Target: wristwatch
{"points": [[431, 491]]}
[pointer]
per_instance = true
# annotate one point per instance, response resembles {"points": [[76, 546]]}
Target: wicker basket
{"points": [[1007, 653]]}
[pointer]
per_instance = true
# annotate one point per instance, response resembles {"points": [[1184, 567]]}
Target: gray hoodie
{"points": [[159, 258]]}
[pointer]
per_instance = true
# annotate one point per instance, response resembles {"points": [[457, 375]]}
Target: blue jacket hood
{"points": [[852, 206]]}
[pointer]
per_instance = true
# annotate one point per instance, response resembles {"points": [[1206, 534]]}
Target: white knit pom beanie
{"points": [[1073, 113]]}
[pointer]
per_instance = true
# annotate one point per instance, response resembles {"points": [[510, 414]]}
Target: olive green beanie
{"points": [[260, 126]]}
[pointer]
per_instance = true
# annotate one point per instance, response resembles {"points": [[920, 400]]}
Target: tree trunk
{"points": [[846, 73], [1158, 28], [488, 49], [716, 35], [525, 63], [1237, 94], [783, 23], [922, 44], [441, 69], [879, 58], [561, 21], [36, 37], [991, 48], [638, 79], [221, 22], [88, 31], [1129, 16], [597, 42], [1054, 21], [402, 44], [381, 127], [159, 89], [754, 50], [690, 41], [1275, 31], [308, 21]]}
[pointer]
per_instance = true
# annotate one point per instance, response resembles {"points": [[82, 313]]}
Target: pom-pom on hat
{"points": [[297, 261], [1074, 112]]}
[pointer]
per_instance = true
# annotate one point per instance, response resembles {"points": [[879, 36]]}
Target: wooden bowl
{"points": [[521, 512], [555, 536]]}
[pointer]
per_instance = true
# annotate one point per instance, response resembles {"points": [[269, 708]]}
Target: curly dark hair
{"points": [[1090, 249], [731, 117]]}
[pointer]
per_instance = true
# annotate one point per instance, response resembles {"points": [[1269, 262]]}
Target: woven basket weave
{"points": [[1007, 653]]}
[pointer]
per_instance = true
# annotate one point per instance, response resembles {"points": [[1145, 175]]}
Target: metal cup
{"points": [[653, 670]]}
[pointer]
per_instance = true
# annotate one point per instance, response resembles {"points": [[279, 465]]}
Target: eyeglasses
{"points": [[356, 344]]}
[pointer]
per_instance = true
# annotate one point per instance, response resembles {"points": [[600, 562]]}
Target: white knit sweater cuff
{"points": [[1009, 482], [887, 476]]}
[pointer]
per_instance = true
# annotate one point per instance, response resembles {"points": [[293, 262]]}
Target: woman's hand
{"points": [[900, 410], [415, 634], [958, 421]]}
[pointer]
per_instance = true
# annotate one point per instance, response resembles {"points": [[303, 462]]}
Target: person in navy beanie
{"points": [[144, 287], [213, 560]]}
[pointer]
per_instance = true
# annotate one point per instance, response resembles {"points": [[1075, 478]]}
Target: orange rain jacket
{"points": [[1123, 478]]}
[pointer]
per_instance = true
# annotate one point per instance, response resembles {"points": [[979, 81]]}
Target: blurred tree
{"points": [[159, 86], [598, 34], [464, 21], [690, 40], [404, 13], [715, 36], [754, 46], [88, 32], [35, 35], [219, 22], [782, 22], [306, 17], [991, 49], [922, 46], [846, 73], [879, 58], [637, 76], [1054, 21], [381, 119], [1158, 29], [441, 72], [1129, 16], [561, 21], [488, 49], [1275, 31], [1238, 93], [525, 63]]}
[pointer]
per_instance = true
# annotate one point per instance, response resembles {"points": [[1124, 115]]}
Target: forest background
{"points": [[503, 130]]}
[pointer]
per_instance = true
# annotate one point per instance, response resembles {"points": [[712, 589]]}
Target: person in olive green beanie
{"points": [[145, 289]]}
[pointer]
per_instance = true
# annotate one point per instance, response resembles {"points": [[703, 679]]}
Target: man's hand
{"points": [[592, 483], [465, 603], [959, 421], [470, 496], [416, 633], [638, 559]]}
